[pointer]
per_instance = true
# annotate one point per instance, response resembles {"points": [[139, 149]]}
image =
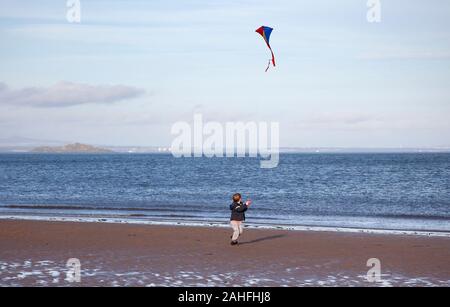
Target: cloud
{"points": [[405, 55], [66, 94], [342, 118]]}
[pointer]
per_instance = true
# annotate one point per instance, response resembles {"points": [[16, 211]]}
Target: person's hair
{"points": [[237, 197]]}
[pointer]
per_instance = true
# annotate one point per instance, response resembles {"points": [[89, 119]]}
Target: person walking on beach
{"points": [[237, 219]]}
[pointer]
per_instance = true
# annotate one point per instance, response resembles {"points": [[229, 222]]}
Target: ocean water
{"points": [[403, 191]]}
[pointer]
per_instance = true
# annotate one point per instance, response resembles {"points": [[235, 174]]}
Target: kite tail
{"points": [[271, 60], [268, 65]]}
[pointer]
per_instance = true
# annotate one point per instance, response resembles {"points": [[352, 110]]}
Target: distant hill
{"points": [[71, 148]]}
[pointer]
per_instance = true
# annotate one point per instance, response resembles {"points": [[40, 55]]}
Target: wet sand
{"points": [[34, 253]]}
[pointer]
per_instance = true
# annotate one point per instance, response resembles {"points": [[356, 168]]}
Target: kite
{"points": [[265, 33]]}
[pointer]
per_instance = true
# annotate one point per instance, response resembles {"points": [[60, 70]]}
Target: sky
{"points": [[131, 69]]}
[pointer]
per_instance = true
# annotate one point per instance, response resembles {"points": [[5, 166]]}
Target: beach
{"points": [[35, 253]]}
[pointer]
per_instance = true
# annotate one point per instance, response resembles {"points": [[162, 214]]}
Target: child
{"points": [[238, 209]]}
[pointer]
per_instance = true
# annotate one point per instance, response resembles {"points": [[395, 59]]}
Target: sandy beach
{"points": [[34, 253]]}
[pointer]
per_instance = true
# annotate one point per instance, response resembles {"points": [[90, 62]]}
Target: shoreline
{"points": [[35, 253], [216, 224]]}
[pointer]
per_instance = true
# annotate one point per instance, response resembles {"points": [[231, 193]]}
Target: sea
{"points": [[403, 192]]}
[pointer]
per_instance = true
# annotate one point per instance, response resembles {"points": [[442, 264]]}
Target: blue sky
{"points": [[340, 81]]}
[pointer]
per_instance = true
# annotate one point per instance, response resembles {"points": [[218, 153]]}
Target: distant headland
{"points": [[71, 148]]}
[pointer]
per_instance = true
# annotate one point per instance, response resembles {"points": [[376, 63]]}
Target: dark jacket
{"points": [[237, 211]]}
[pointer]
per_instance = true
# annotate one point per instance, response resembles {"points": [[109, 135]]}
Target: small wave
{"points": [[97, 208], [207, 210], [414, 216], [162, 222]]}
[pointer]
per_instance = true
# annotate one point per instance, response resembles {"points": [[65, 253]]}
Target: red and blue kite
{"points": [[265, 33]]}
